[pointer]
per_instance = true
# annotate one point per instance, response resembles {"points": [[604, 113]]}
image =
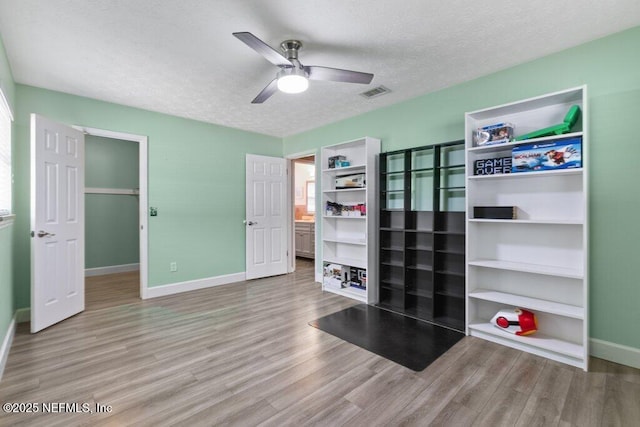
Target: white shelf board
{"points": [[501, 147], [535, 304], [359, 242], [536, 340], [345, 190], [548, 270], [344, 217], [518, 175], [350, 292], [351, 262], [351, 168], [530, 221]]}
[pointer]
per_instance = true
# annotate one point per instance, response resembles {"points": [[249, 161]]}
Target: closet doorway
{"points": [[304, 208], [115, 218]]}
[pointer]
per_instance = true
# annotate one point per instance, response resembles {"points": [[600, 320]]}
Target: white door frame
{"points": [[143, 151], [291, 211]]}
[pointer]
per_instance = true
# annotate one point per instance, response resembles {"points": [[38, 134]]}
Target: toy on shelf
{"points": [[516, 321], [498, 133], [565, 127]]}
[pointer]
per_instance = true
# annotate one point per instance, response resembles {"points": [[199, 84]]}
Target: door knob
{"points": [[44, 233], [252, 222]]}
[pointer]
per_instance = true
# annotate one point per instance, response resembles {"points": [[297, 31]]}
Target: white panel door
{"points": [[57, 222], [266, 213]]}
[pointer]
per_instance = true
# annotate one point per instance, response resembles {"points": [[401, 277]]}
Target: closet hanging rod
{"points": [[125, 191]]}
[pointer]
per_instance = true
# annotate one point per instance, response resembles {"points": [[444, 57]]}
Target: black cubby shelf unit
{"points": [[422, 233]]}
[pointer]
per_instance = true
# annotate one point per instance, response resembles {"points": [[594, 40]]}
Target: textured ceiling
{"points": [[179, 57]]}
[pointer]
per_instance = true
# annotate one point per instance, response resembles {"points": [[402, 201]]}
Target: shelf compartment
{"points": [[344, 170], [419, 221], [540, 344], [391, 239], [344, 261], [559, 249], [548, 270], [392, 219], [391, 298], [534, 304], [347, 241], [419, 279], [392, 274], [450, 285], [450, 264], [394, 163], [422, 158], [422, 182], [450, 221], [393, 284], [421, 308], [448, 305], [345, 190], [544, 197], [509, 145]]}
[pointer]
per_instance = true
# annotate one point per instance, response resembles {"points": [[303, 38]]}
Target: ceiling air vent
{"points": [[375, 92]]}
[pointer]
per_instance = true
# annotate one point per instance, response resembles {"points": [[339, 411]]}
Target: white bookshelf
{"points": [[537, 261], [350, 240]]}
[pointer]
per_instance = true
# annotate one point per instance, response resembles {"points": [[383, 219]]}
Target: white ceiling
{"points": [[179, 57]]}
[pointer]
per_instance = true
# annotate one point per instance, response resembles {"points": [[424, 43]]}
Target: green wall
{"points": [[196, 180], [111, 220], [611, 69], [6, 233]]}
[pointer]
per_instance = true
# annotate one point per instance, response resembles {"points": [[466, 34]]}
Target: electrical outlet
{"points": [[173, 266]]}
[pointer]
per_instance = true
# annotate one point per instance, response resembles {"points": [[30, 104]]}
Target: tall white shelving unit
{"points": [[539, 260], [349, 240]]}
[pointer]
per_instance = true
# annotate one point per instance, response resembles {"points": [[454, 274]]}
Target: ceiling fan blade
{"points": [[263, 49], [337, 75], [266, 92]]}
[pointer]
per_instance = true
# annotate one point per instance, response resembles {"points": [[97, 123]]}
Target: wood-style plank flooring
{"points": [[243, 354]]}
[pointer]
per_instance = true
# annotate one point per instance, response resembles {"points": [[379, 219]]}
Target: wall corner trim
{"points": [[192, 285], [617, 353], [6, 345], [23, 315]]}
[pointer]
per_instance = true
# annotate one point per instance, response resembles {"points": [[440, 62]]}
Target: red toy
{"points": [[516, 321]]}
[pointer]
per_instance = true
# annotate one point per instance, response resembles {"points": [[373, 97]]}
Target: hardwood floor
{"points": [[243, 354]]}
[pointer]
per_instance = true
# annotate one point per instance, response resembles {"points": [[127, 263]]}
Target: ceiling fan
{"points": [[294, 77]]}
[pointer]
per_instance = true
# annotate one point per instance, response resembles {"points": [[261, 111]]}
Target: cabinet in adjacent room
{"points": [[422, 233], [305, 239]]}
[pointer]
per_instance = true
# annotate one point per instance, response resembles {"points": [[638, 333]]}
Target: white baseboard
{"points": [[192, 285], [318, 277], [6, 345], [613, 352], [111, 269]]}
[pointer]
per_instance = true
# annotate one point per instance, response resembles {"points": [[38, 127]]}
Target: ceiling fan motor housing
{"points": [[291, 48]]}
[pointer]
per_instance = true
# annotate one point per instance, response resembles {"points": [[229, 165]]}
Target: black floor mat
{"points": [[411, 343]]}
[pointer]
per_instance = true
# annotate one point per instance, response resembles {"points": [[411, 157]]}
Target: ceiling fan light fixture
{"points": [[292, 80]]}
